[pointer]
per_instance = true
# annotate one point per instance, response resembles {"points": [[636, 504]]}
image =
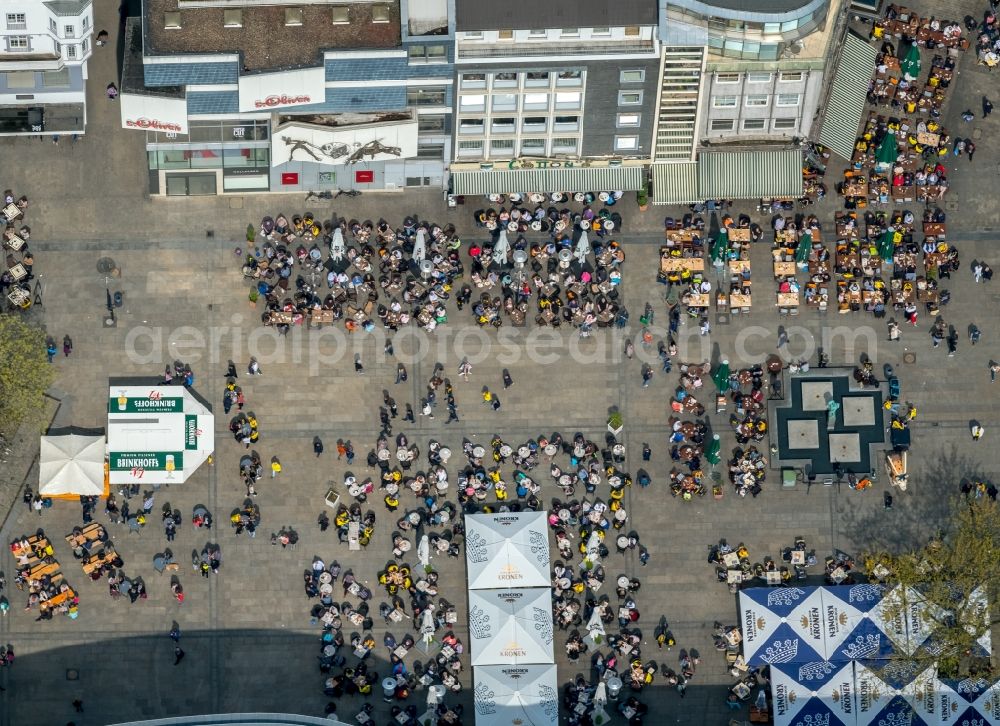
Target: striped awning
{"points": [[846, 103], [749, 174], [586, 179], [675, 183]]}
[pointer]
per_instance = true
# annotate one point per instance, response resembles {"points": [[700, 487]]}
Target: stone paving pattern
{"points": [[246, 631]]}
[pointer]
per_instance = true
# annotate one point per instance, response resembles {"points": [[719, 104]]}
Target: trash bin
{"points": [[388, 688], [614, 687]]}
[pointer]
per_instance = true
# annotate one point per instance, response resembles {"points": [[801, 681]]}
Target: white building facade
{"points": [[43, 66]]}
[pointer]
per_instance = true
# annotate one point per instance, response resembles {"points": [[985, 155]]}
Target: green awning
{"points": [[582, 179], [749, 174], [675, 183], [848, 94]]}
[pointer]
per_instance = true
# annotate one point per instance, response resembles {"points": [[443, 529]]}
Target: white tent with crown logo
{"points": [[516, 695], [507, 550], [807, 694], [510, 626]]}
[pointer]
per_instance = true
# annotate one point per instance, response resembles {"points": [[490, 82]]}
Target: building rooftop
{"points": [[527, 14], [749, 6], [133, 79], [262, 37]]}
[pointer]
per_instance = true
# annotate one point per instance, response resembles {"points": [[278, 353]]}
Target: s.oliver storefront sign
{"points": [[150, 113], [266, 91]]}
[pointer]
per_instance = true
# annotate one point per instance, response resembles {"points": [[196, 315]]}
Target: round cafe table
{"points": [[620, 516], [512, 226], [445, 454], [623, 581], [329, 650], [579, 452], [609, 225], [615, 481], [402, 454], [536, 226], [565, 480], [383, 454], [604, 196], [537, 198], [564, 583], [584, 224], [515, 198], [496, 198], [506, 450], [326, 588], [442, 486], [404, 545], [391, 488], [491, 225], [579, 196], [325, 577], [563, 515], [550, 450], [622, 541], [523, 451], [413, 518], [478, 452]]}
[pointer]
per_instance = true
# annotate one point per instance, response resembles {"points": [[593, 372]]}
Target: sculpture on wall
{"points": [[332, 152]]}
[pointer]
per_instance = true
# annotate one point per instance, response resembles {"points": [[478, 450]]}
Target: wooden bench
{"points": [[57, 600], [95, 561], [91, 533], [41, 541], [41, 570]]}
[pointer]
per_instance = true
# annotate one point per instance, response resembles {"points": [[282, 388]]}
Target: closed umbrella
{"points": [[721, 376], [714, 449], [582, 248], [721, 247], [886, 153], [886, 245], [910, 65], [337, 245], [424, 552], [427, 625], [501, 249], [420, 246], [595, 630], [804, 248]]}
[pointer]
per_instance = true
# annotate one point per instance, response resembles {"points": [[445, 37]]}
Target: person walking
{"points": [[50, 349], [178, 655], [275, 467], [970, 148], [994, 368], [230, 370], [974, 333], [705, 327], [67, 345], [409, 415], [452, 411], [977, 272], [465, 370], [647, 375], [175, 632], [782, 337], [977, 431], [317, 446], [400, 373], [253, 368], [987, 107], [507, 380], [426, 409], [358, 367]]}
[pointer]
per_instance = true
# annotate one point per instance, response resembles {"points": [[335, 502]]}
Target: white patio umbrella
{"points": [[582, 248], [594, 548], [595, 630], [502, 248], [337, 245], [420, 246], [427, 625], [522, 694], [424, 552]]}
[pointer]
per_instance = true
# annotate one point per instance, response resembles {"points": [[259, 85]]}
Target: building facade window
{"points": [[17, 21], [18, 42], [758, 77], [427, 54], [788, 99], [473, 126], [784, 123], [757, 100], [629, 119], [473, 80], [71, 52], [564, 145], [754, 124], [600, 33], [567, 123], [475, 102], [568, 101], [533, 147], [504, 102], [570, 32], [426, 96], [502, 147], [430, 151], [69, 31], [789, 76], [52, 25], [724, 101], [569, 78], [629, 98], [722, 124], [638, 76], [503, 125], [470, 148], [505, 80], [536, 33], [534, 124], [431, 123], [506, 35], [472, 35], [727, 77], [536, 79], [536, 101], [626, 143], [632, 31]]}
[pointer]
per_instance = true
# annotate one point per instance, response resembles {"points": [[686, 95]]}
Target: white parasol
{"points": [[582, 248], [594, 548], [337, 245], [596, 635], [427, 625], [424, 552], [501, 249], [420, 246]]}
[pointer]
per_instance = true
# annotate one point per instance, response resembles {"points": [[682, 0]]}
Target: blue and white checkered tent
{"points": [[782, 625], [977, 618], [921, 616], [806, 694], [936, 702], [880, 688], [988, 704], [853, 623], [516, 694]]}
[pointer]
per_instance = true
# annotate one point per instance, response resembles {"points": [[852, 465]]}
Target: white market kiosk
{"points": [[157, 434]]}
